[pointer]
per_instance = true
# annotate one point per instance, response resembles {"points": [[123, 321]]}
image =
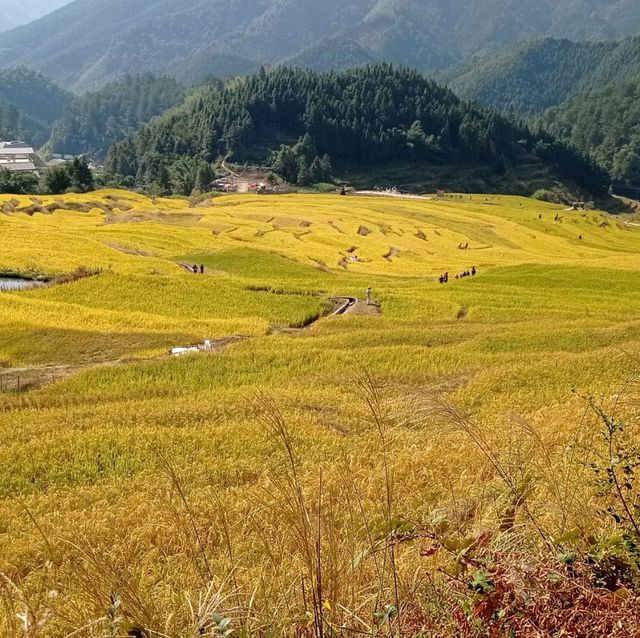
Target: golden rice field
{"points": [[294, 482]]}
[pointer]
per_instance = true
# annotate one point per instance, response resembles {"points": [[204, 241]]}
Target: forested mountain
{"points": [[584, 93], [533, 76], [29, 104], [90, 42], [16, 124], [370, 116], [16, 12], [33, 93], [92, 122], [605, 124]]}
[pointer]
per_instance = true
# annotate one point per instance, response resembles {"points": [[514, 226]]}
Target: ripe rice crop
{"points": [[361, 475]]}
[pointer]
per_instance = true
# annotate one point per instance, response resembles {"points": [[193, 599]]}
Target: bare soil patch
{"points": [[128, 251], [186, 218], [393, 252], [361, 309]]}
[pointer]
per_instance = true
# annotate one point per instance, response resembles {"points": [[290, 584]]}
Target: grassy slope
{"points": [[86, 454]]}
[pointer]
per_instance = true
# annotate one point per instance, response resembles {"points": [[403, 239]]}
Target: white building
{"points": [[18, 157]]}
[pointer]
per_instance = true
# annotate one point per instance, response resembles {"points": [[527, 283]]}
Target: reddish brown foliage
{"points": [[541, 602]]}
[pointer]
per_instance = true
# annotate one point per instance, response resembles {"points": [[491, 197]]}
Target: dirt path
{"points": [[26, 378], [394, 195], [362, 309], [136, 252], [189, 268], [22, 379], [241, 182], [344, 305]]}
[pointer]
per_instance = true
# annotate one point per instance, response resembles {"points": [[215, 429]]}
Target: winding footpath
{"points": [[24, 379]]}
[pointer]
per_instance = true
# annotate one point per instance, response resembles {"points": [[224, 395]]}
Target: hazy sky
{"points": [[16, 12]]}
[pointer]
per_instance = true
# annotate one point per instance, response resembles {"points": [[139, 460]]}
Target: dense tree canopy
{"points": [[589, 90], [17, 183], [93, 122], [15, 124], [29, 104], [606, 125], [372, 115]]}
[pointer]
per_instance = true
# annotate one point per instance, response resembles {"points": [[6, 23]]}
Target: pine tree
{"points": [[204, 177], [80, 175], [304, 176], [316, 174], [327, 168], [285, 164]]}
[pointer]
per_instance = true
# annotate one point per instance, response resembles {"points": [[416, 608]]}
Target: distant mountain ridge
{"points": [[89, 42], [584, 93], [533, 76], [35, 109]]}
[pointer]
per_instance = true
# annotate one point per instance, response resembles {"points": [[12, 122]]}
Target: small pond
{"points": [[15, 283]]}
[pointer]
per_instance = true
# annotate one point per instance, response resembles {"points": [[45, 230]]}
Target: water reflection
{"points": [[9, 283]]}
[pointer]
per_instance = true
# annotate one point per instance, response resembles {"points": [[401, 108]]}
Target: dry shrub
{"points": [[515, 597]]}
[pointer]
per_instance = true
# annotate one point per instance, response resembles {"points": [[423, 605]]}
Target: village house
{"points": [[18, 157]]}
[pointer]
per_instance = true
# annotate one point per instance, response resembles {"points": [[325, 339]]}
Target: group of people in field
{"points": [[472, 272], [195, 269]]}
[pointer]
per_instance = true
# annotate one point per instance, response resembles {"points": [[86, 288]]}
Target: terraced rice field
{"points": [[164, 488]]}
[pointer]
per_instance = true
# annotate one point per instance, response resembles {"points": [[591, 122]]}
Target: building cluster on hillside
{"points": [[18, 157], [57, 159]]}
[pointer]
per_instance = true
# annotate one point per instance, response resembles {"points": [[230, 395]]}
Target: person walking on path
{"points": [[202, 269], [369, 293]]}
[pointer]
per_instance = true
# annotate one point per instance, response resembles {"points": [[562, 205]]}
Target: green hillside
{"points": [[372, 116], [33, 93], [533, 76], [605, 124], [29, 104], [93, 122], [584, 93]]}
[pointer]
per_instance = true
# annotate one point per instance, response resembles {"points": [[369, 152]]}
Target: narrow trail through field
{"points": [[26, 378], [396, 195]]}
